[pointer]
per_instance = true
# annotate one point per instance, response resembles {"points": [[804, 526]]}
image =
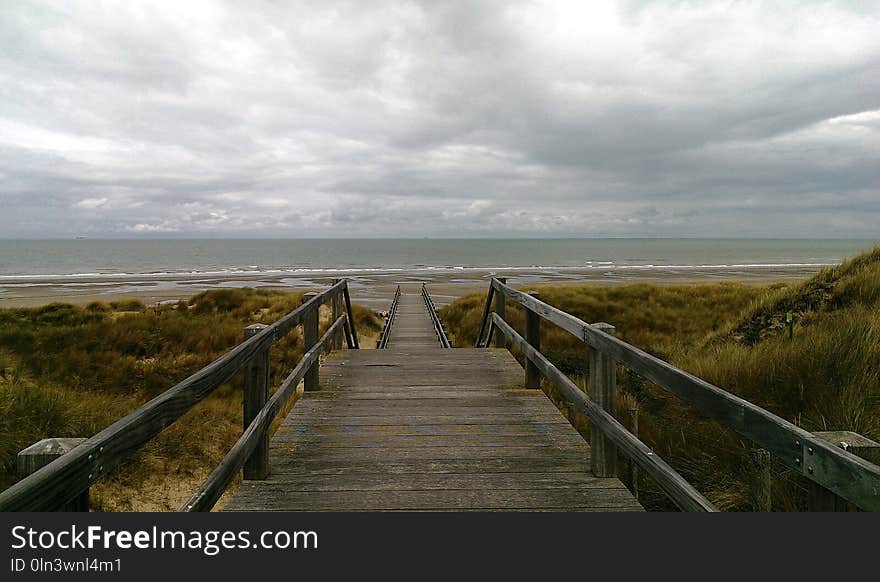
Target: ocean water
{"points": [[37, 259]]}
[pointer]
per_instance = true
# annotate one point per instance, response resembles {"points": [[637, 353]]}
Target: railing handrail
{"points": [[685, 496], [839, 471], [220, 478], [63, 479], [435, 318], [389, 321]]}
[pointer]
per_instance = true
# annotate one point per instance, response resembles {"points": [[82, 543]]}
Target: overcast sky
{"points": [[186, 118]]}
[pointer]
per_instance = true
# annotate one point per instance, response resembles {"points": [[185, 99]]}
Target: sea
{"points": [[24, 260]]}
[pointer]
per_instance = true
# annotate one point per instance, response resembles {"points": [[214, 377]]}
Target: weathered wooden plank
{"points": [[296, 465], [464, 419], [476, 481], [463, 395], [559, 451], [343, 430], [416, 441], [265, 498]]}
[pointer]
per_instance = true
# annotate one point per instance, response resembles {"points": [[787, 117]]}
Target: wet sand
{"points": [[373, 289]]}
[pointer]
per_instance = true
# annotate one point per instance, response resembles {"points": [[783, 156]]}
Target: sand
{"points": [[373, 289]]}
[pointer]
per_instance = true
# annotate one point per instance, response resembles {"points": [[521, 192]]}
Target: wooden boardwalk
{"points": [[417, 427], [412, 327]]}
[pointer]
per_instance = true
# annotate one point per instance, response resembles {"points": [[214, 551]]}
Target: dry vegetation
{"points": [[827, 377], [71, 371]]}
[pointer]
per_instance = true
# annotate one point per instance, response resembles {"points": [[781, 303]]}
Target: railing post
{"points": [[485, 319], [500, 340], [336, 311], [256, 393], [351, 326], [310, 338], [603, 391], [760, 480], [819, 498], [44, 452], [533, 336], [633, 468]]}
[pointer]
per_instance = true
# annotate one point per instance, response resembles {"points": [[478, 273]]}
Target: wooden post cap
{"points": [[853, 442], [42, 453]]}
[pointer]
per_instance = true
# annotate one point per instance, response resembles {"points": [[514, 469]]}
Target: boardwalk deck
{"points": [[412, 327], [417, 427]]}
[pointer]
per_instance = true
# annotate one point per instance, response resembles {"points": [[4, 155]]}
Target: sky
{"points": [[454, 119]]}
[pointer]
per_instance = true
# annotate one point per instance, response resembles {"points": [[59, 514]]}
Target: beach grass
{"points": [[826, 376], [70, 371]]}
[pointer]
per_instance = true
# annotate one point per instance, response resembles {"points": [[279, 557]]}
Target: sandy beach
{"points": [[371, 288]]}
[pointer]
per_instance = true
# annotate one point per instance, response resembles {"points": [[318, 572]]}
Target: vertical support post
{"points": [[821, 499], [500, 340], [760, 477], [533, 337], [603, 391], [336, 311], [310, 338], [484, 321], [256, 393], [351, 327], [633, 468], [43, 452]]}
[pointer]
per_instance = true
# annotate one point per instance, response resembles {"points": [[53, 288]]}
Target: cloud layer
{"points": [[440, 119]]}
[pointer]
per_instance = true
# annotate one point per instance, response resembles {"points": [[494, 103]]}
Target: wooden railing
{"points": [[823, 462], [65, 479], [382, 342], [435, 318]]}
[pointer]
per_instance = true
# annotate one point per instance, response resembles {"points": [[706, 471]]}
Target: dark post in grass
{"points": [[633, 468], [761, 481], [819, 498], [603, 391], [43, 452], [500, 340], [310, 338], [256, 393], [533, 336]]}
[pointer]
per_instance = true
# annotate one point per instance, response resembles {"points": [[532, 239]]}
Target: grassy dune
{"points": [[71, 371], [827, 377]]}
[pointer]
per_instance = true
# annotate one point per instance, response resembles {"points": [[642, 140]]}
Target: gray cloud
{"points": [[440, 119]]}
